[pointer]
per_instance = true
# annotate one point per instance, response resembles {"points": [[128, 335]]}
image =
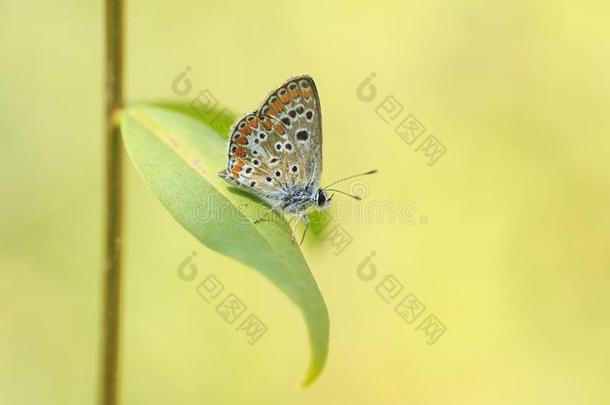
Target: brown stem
{"points": [[114, 211]]}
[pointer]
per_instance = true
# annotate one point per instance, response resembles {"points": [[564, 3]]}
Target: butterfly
{"points": [[275, 153]]}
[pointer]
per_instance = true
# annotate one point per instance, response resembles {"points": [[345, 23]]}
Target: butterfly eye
{"points": [[255, 162], [262, 136], [288, 146], [252, 183], [278, 146], [273, 161], [294, 168], [286, 121], [300, 109], [321, 198], [278, 173], [309, 115]]}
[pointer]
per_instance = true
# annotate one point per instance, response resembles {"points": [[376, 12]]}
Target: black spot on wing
{"points": [[302, 135]]}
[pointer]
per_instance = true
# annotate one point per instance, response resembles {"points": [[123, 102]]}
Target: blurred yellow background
{"points": [[508, 248]]}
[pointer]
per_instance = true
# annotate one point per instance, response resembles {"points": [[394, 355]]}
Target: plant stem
{"points": [[114, 200]]}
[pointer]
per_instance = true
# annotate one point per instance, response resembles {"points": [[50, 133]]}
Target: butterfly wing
{"points": [[252, 162], [296, 106], [280, 145]]}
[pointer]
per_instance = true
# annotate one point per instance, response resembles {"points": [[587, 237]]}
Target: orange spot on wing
{"points": [[242, 140], [254, 123], [240, 152], [307, 92], [295, 92], [280, 129], [237, 167], [285, 97], [266, 123], [277, 106], [269, 111]]}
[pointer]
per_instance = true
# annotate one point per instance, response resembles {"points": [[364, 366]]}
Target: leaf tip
{"points": [[314, 371]]}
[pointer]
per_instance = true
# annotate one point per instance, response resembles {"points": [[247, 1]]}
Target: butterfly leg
{"points": [[266, 213], [307, 222], [293, 228]]}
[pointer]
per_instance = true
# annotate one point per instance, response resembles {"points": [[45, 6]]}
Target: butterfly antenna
{"points": [[355, 197], [350, 177]]}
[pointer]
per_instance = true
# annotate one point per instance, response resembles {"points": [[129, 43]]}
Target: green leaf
{"points": [[218, 119], [179, 157]]}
